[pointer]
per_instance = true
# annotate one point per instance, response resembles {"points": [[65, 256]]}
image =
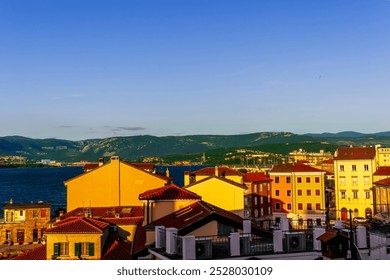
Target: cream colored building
{"points": [[353, 170]]}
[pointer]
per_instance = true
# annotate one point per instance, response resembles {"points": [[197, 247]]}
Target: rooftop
{"points": [[351, 153], [170, 192]]}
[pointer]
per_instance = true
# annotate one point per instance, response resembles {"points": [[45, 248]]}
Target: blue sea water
{"points": [[24, 185], [177, 172]]}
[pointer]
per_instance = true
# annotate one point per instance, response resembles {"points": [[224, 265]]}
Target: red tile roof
{"points": [[328, 161], [221, 179], [90, 166], [294, 167], [170, 192], [329, 235], [256, 177], [123, 221], [383, 171], [81, 225], [222, 171], [106, 212], [348, 153], [38, 253], [117, 248], [383, 182]]}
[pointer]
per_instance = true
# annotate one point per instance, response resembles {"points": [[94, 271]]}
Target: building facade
{"points": [[298, 192], [24, 223], [353, 170]]}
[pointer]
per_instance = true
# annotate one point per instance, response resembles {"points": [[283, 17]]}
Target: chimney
{"points": [[216, 171], [167, 172], [101, 161], [10, 201]]}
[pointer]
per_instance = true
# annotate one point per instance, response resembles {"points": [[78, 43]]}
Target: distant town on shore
{"points": [[270, 195]]}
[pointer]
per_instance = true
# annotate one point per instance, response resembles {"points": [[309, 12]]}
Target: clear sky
{"points": [[79, 69]]}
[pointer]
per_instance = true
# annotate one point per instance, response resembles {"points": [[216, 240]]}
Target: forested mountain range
{"points": [[138, 147]]}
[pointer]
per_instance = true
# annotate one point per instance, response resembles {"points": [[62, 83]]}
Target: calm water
{"points": [[24, 185]]}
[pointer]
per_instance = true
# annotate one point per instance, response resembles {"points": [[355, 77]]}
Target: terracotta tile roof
{"points": [[170, 192], [90, 166], [383, 171], [116, 248], [256, 177], [106, 212], [222, 171], [218, 178], [26, 205], [123, 221], [328, 161], [329, 235], [383, 182], [198, 214], [348, 153], [38, 253], [80, 225], [293, 167]]}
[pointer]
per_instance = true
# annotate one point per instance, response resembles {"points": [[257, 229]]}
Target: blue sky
{"points": [[78, 69]]}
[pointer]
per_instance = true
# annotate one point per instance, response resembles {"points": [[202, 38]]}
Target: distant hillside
{"points": [[137, 147]]}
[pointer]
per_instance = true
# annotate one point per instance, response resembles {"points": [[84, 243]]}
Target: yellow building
{"points": [[382, 156], [219, 171], [353, 172], [116, 183], [221, 192], [76, 238]]}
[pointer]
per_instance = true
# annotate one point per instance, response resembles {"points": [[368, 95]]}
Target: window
{"points": [[308, 192], [261, 188], [21, 213], [353, 167], [318, 192], [299, 180], [307, 179], [317, 179], [288, 192], [277, 206], [309, 206], [246, 200], [35, 213], [43, 213], [366, 167], [61, 249], [342, 194], [342, 181], [277, 180], [261, 199], [355, 194], [354, 181], [318, 206], [288, 206], [366, 180], [255, 200], [300, 206], [288, 179], [367, 194], [299, 192], [257, 213], [276, 192], [341, 167]]}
